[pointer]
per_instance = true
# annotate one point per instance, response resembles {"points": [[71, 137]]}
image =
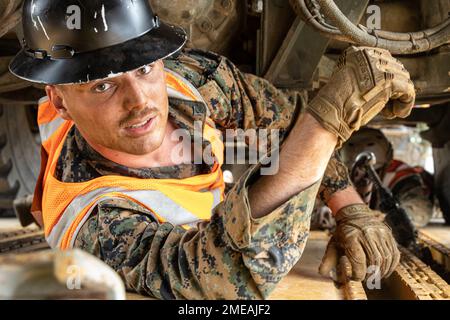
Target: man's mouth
{"points": [[141, 127], [140, 124]]}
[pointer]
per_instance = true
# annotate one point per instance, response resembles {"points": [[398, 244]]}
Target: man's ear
{"points": [[55, 96]]}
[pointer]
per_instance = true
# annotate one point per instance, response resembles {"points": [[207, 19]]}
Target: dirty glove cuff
{"points": [[357, 211]]}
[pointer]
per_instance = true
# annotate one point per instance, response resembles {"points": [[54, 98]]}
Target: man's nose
{"points": [[135, 95]]}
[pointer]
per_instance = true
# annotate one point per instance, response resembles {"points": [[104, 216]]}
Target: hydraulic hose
{"points": [[344, 30]]}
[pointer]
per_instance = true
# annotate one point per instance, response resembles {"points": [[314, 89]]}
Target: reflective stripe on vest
{"points": [[67, 206], [187, 92], [46, 130], [154, 201]]}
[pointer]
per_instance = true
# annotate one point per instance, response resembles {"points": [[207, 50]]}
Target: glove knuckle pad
{"points": [[359, 89]]}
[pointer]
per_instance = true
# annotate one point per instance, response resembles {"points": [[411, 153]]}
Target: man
{"points": [[109, 182]]}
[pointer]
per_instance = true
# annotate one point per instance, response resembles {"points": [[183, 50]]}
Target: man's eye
{"points": [[145, 69], [102, 87]]}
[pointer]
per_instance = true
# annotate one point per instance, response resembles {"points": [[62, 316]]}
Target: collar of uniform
{"points": [[185, 113]]}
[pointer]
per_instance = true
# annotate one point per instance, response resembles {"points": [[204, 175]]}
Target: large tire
{"points": [[443, 195], [19, 154], [442, 179]]}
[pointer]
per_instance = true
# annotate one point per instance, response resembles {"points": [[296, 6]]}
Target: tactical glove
{"points": [[365, 240], [364, 81]]}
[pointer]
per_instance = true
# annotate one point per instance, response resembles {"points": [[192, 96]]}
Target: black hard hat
{"points": [[67, 41]]}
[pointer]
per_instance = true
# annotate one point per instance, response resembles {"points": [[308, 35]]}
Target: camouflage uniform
{"points": [[232, 256]]}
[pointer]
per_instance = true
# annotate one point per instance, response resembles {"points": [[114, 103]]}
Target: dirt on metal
{"points": [[22, 241], [414, 280]]}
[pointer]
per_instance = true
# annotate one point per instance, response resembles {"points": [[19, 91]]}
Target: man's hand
{"points": [[365, 80], [365, 240]]}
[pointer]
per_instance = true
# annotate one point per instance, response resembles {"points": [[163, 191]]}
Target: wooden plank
{"points": [[438, 232], [9, 224]]}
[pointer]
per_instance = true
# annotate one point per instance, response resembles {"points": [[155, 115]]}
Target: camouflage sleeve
{"points": [[336, 178], [232, 256], [236, 99]]}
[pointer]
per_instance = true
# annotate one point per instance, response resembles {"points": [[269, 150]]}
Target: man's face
{"points": [[127, 113]]}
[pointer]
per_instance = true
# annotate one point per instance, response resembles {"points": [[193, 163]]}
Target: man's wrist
{"points": [[318, 145], [315, 130], [344, 198]]}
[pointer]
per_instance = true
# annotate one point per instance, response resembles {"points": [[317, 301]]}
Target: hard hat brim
{"points": [[158, 43]]}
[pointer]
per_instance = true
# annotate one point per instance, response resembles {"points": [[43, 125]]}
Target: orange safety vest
{"points": [[62, 208]]}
